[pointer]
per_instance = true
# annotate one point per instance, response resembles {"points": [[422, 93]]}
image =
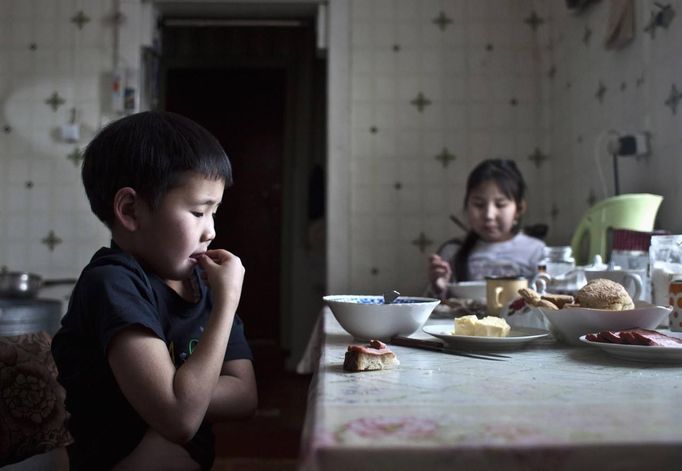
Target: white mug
{"points": [[630, 279]]}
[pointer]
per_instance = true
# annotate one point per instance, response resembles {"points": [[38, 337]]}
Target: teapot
{"points": [[568, 282]]}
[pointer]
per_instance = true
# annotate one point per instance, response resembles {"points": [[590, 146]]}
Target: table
{"points": [[548, 407]]}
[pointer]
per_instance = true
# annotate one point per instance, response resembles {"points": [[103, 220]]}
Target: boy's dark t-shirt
{"points": [[114, 292]]}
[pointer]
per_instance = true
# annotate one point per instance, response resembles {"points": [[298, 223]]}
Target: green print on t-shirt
{"points": [[182, 356]]}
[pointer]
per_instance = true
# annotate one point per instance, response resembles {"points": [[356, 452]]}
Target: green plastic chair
{"points": [[635, 211]]}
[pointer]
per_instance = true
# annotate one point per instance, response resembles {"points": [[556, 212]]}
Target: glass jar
{"points": [[557, 261]]}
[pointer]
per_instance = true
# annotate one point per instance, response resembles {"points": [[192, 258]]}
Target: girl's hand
{"points": [[439, 274], [224, 274]]}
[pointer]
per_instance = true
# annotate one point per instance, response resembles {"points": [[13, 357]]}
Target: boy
{"points": [[155, 179]]}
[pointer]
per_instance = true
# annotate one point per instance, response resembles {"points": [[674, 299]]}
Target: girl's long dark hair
{"points": [[506, 175]]}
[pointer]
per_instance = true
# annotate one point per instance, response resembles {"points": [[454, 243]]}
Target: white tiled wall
{"points": [[396, 190], [471, 70], [41, 52], [638, 80], [470, 87]]}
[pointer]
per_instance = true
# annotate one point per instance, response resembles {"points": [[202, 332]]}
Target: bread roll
{"points": [[604, 294]]}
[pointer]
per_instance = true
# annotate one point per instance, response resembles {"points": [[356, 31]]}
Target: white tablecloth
{"points": [[549, 407]]}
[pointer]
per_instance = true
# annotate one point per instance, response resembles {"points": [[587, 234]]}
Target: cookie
{"points": [[560, 300], [547, 305], [531, 296], [534, 299]]}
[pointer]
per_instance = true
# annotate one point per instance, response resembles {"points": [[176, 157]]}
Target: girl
{"points": [[494, 203]]}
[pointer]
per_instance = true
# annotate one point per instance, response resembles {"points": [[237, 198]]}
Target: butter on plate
{"points": [[489, 326]]}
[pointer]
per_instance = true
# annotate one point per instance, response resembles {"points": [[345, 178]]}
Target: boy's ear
{"points": [[521, 208], [125, 208]]}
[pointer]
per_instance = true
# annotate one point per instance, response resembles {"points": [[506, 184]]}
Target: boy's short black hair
{"points": [[149, 152]]}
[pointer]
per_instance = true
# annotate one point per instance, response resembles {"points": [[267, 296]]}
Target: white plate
{"points": [[639, 352], [517, 337]]}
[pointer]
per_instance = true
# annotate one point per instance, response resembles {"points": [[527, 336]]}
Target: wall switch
{"points": [[71, 132], [635, 144]]}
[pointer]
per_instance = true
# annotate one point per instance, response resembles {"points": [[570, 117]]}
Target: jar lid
{"points": [[632, 253], [564, 250], [502, 277], [559, 253]]}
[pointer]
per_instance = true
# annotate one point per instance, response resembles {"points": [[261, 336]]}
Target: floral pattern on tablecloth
{"points": [[388, 429], [548, 406], [407, 430]]}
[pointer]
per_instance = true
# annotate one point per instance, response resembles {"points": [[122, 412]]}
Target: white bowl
{"points": [[569, 323], [367, 317], [468, 290]]}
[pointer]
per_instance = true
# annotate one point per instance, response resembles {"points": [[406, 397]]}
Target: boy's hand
{"points": [[224, 274], [439, 273]]}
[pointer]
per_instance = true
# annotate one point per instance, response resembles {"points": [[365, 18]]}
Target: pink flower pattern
{"points": [[398, 427]]}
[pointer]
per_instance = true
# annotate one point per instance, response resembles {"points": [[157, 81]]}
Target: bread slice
{"points": [[374, 356]]}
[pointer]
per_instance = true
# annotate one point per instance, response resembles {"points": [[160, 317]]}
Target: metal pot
{"points": [[16, 284]]}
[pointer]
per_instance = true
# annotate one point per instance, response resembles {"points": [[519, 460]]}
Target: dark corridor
{"points": [[261, 92]]}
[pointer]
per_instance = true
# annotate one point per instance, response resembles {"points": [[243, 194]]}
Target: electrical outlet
{"points": [[636, 144]]}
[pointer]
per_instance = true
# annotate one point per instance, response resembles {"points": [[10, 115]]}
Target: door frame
{"points": [[338, 149]]}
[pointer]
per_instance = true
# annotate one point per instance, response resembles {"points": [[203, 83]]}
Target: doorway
{"points": [[261, 91], [246, 114]]}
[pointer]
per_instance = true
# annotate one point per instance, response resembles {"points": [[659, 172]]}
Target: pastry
{"points": [[531, 296], [601, 293], [559, 300], [534, 299], [373, 356], [547, 305]]}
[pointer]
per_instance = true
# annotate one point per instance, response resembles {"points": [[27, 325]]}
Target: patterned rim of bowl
{"points": [[365, 299]]}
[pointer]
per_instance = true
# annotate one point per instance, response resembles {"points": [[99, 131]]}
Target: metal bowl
{"points": [[19, 284]]}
